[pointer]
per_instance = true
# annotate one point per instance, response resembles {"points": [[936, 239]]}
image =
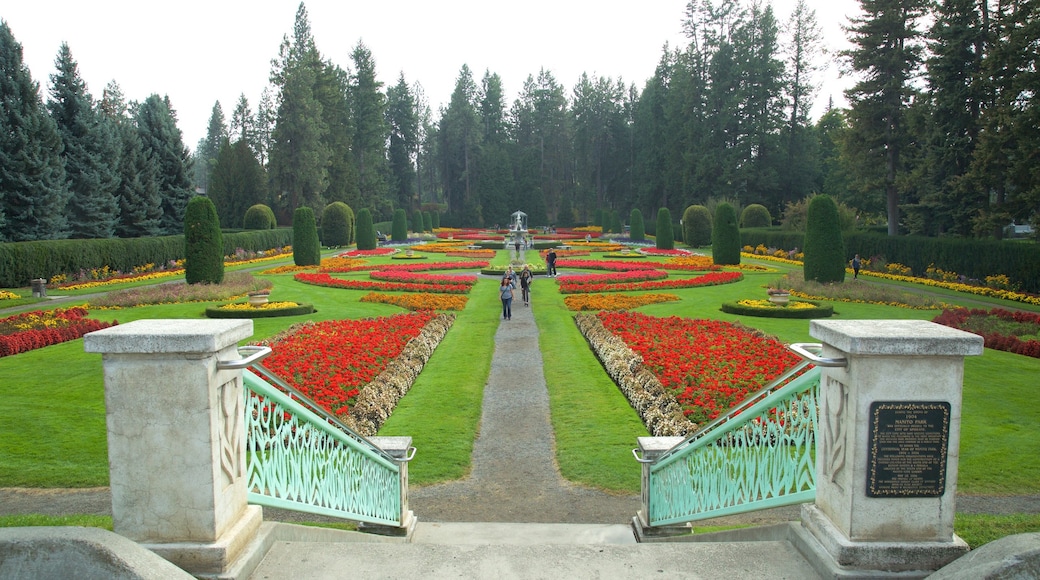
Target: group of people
{"points": [[508, 286]]}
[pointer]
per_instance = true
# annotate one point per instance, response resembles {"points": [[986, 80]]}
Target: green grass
{"points": [[78, 520], [977, 530]]}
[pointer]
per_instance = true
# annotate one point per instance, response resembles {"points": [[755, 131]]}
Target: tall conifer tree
{"points": [[162, 144]]}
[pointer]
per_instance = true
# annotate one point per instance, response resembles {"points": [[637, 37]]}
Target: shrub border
{"points": [[820, 310], [218, 312]]}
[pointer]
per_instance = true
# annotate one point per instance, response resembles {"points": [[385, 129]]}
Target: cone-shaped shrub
{"points": [[417, 222], [755, 215], [399, 227], [337, 224], [427, 221], [637, 233], [436, 220], [725, 236], [306, 247], [824, 248], [366, 233], [203, 243], [696, 225], [665, 237], [259, 217]]}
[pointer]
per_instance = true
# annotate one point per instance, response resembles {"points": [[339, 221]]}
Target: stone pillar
{"points": [[650, 449], [888, 445], [176, 439]]}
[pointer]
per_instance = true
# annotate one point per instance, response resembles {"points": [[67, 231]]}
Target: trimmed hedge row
{"points": [[299, 309], [23, 261], [1020, 261], [820, 310]]}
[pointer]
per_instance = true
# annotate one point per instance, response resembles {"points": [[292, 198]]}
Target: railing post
{"points": [[887, 446], [400, 448], [176, 440], [650, 448]]}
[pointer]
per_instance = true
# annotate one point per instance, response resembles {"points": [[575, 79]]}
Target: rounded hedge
{"points": [[725, 236], [337, 224], [399, 227], [203, 243], [755, 215], [366, 232], [299, 309], [306, 246], [824, 250], [259, 217], [637, 231], [817, 311], [696, 224], [665, 238]]}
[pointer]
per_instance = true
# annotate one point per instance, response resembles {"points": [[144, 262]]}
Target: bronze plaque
{"points": [[908, 449]]}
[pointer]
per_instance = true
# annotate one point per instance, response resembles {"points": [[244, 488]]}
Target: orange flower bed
{"points": [[598, 302], [690, 263], [419, 301]]}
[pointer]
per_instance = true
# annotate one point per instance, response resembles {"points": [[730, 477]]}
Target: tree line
{"points": [[940, 136]]}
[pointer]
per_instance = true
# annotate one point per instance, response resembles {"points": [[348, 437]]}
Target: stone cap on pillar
{"points": [[895, 337], [168, 336]]}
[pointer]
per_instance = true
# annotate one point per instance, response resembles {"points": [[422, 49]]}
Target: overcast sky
{"points": [[199, 52]]}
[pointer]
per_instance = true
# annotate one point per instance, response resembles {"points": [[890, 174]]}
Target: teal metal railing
{"points": [[302, 458], [759, 455]]}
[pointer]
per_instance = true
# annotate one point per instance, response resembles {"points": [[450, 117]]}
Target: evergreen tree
{"points": [[242, 122], [427, 221], [494, 169], [306, 245], [371, 130], [725, 236], [162, 145], [399, 226], [404, 142], [263, 127], [417, 222], [203, 243], [697, 226], [637, 233], [91, 152], [332, 93], [366, 233], [209, 147], [804, 56], [33, 187], [237, 182], [140, 206], [665, 239], [458, 138], [824, 247]]}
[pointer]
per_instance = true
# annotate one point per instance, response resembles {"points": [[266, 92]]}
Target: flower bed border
{"points": [[299, 309], [820, 310]]}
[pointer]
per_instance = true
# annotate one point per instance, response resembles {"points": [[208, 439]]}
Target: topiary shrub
{"points": [[665, 237], [436, 217], [259, 217], [337, 224], [696, 224], [306, 246], [203, 244], [399, 227], [366, 232], [637, 231], [417, 222], [427, 221], [824, 250], [755, 215], [725, 236]]}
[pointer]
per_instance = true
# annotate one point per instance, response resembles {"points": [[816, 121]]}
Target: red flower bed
{"points": [[613, 277], [413, 278], [413, 267], [37, 329], [329, 281], [711, 279], [710, 365], [330, 361], [603, 265], [658, 252], [974, 321], [373, 252]]}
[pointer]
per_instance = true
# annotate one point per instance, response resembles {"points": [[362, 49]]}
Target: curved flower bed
{"points": [[596, 302], [361, 266], [420, 301], [39, 328], [692, 262], [659, 252], [330, 282], [613, 277], [610, 266], [358, 369], [405, 277], [372, 252], [711, 279], [975, 321], [269, 310], [794, 309]]}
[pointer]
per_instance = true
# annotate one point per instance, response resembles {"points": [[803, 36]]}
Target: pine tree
{"points": [[404, 142], [140, 206], [33, 188], [371, 130], [209, 147], [241, 127], [237, 182], [162, 144], [91, 153]]}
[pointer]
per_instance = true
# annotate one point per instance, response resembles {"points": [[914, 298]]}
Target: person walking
{"points": [[550, 263], [505, 292], [855, 266], [526, 277]]}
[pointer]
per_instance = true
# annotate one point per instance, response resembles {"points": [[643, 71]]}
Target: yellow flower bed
{"points": [[597, 302], [441, 247], [690, 262], [958, 287], [287, 269], [248, 306], [746, 254], [419, 300], [148, 276], [792, 305], [597, 246], [5, 295], [340, 264]]}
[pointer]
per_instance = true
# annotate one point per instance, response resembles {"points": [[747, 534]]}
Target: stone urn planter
{"points": [[779, 298], [258, 299]]}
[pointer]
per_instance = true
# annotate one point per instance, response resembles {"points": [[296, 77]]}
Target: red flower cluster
{"points": [[618, 266], [614, 277], [329, 281], [711, 279], [37, 329], [330, 361], [660, 252], [710, 365], [961, 318], [373, 252], [412, 278]]}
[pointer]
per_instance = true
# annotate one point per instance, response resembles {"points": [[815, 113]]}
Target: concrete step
{"points": [[493, 550]]}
